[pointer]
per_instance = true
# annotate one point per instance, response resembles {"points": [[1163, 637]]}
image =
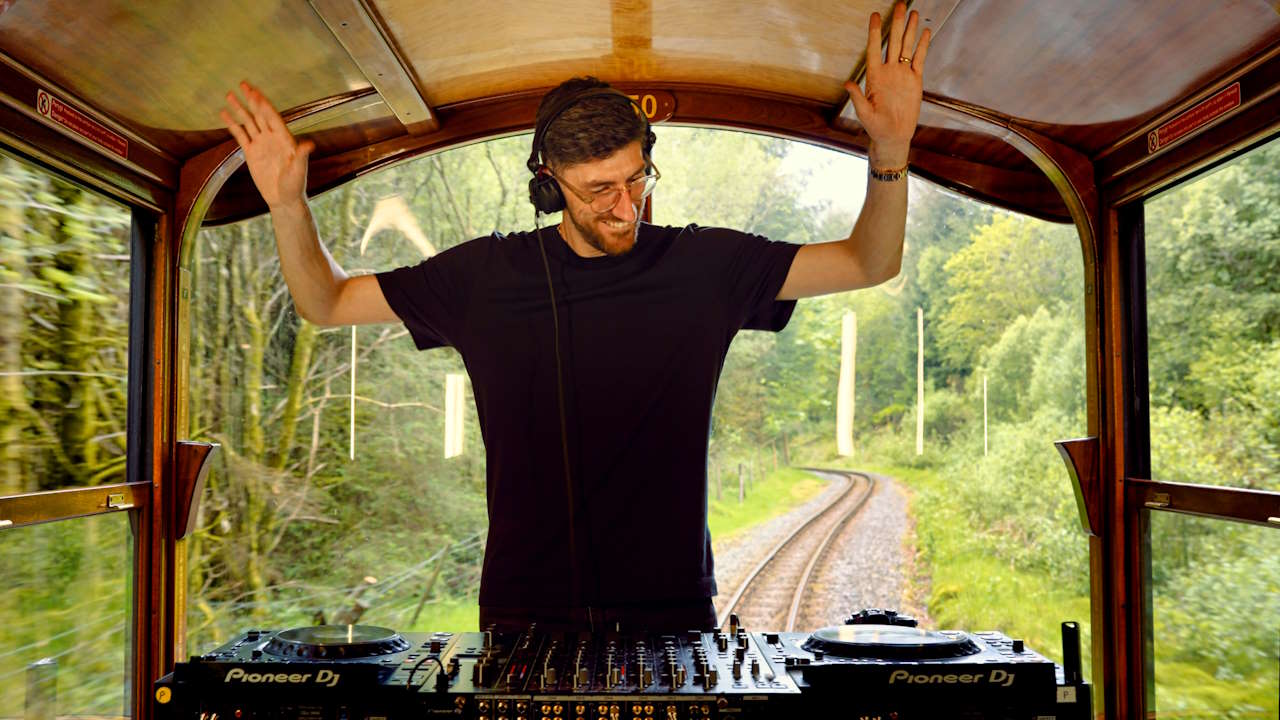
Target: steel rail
{"points": [[867, 488], [745, 585]]}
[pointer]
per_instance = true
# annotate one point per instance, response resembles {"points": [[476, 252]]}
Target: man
{"points": [[594, 348]]}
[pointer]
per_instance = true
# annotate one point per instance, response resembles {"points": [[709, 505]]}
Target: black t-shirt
{"points": [[642, 338]]}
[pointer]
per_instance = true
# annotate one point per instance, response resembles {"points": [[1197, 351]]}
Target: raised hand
{"points": [[277, 161], [890, 107]]}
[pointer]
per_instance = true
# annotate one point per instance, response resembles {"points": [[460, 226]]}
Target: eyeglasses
{"points": [[605, 200]]}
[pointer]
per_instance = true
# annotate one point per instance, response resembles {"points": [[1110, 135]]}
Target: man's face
{"points": [[613, 231]]}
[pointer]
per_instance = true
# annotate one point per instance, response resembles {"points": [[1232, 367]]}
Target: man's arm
{"points": [[888, 112], [322, 292]]}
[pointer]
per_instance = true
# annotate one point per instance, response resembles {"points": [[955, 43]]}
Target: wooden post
{"points": [[351, 451], [984, 415], [453, 414], [426, 591], [920, 381], [845, 385], [42, 690]]}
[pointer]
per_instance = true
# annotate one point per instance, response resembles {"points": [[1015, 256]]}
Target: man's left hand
{"points": [[890, 107]]}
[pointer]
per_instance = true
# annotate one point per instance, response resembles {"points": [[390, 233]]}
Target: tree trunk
{"points": [[303, 344], [13, 395], [75, 330]]}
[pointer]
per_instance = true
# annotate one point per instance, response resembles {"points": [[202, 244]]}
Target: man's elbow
{"points": [[888, 271]]}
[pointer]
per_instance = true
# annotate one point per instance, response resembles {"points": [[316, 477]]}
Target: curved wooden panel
{"points": [[1076, 64], [463, 51], [1017, 186], [162, 68]]}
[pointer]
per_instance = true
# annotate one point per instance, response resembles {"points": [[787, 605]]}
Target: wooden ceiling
{"points": [[373, 81]]}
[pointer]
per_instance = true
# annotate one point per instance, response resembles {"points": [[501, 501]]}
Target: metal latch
{"points": [[115, 501], [1158, 500]]}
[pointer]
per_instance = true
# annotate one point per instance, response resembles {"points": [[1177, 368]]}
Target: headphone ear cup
{"points": [[544, 193]]}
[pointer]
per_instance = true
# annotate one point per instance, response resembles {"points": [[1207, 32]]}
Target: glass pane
{"points": [[1215, 617], [64, 315], [293, 524], [984, 516], [1213, 316], [65, 611], [313, 513]]}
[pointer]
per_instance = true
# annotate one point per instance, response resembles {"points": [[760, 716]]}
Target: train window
{"points": [[1215, 618], [1213, 317], [333, 499], [66, 616], [967, 526], [64, 332], [65, 268], [313, 515]]}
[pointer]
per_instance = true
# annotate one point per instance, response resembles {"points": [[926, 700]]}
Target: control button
{"points": [[771, 638], [1018, 646]]}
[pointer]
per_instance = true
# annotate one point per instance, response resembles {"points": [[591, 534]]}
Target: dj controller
{"points": [[877, 666]]}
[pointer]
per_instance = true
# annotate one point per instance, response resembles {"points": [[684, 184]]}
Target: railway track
{"points": [[773, 591]]}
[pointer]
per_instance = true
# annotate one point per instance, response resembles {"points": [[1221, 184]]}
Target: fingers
{"points": [[237, 132], [264, 113], [860, 104], [895, 32], [242, 116], [909, 35], [873, 43], [922, 50]]}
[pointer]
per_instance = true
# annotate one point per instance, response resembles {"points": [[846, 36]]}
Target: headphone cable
{"points": [[575, 572]]}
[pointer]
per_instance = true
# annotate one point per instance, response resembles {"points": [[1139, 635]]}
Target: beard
{"points": [[593, 228]]}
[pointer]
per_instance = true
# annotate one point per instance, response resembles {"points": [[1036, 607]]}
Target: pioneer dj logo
{"points": [[1000, 678], [326, 678]]}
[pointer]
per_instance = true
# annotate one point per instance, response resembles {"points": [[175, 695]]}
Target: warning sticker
{"points": [[80, 124], [1223, 102]]}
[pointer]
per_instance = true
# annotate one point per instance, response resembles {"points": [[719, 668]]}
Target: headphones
{"points": [[544, 191]]}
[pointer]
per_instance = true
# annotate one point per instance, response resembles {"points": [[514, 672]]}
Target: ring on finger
{"points": [[903, 59]]}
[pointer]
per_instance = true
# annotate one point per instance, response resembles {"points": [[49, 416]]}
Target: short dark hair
{"points": [[592, 129]]}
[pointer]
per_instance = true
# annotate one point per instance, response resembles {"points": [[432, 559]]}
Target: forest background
{"points": [[305, 521]]}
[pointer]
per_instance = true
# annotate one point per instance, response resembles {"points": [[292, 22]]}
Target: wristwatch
{"points": [[883, 175]]}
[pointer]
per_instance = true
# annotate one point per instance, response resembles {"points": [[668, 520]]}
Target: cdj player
{"points": [[876, 666]]}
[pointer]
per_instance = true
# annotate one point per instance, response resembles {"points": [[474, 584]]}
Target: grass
{"points": [[449, 615], [972, 589], [776, 493]]}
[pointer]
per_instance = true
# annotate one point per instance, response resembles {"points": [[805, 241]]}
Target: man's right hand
{"points": [[277, 161]]}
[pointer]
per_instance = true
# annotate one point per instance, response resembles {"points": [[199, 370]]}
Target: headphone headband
{"points": [[544, 191]]}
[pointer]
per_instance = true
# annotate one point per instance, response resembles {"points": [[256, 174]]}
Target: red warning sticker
{"points": [[80, 124], [1208, 110]]}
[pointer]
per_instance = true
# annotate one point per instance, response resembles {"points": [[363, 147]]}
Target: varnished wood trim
{"points": [[701, 105], [1202, 152], [1256, 507], [1256, 65], [1129, 171], [18, 90], [192, 469], [156, 603], [39, 143], [1081, 457], [362, 33], [48, 506]]}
